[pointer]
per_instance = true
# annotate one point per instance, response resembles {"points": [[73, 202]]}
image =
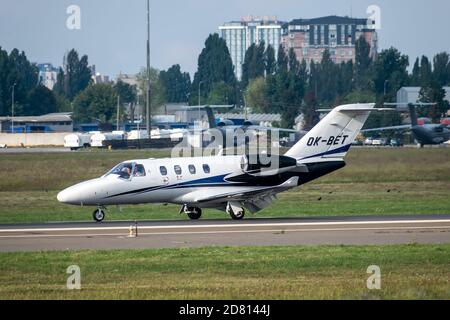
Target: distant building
{"points": [[311, 37], [130, 79], [240, 35], [98, 78], [48, 75], [53, 122]]}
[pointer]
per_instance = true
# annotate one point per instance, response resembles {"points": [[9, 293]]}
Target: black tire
{"points": [[237, 216], [194, 213], [98, 215]]}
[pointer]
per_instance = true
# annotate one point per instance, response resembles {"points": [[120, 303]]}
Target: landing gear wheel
{"points": [[194, 213], [98, 215], [237, 214]]}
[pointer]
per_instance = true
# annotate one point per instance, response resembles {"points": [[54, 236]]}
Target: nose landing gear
{"points": [[99, 214]]}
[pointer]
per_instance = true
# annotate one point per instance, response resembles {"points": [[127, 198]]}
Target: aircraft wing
{"points": [[254, 199], [261, 128], [402, 127]]}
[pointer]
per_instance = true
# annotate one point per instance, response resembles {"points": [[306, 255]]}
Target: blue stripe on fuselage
{"points": [[329, 152], [204, 182]]}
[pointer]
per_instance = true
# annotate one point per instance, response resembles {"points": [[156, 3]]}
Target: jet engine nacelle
{"points": [[267, 165], [250, 123], [225, 123]]}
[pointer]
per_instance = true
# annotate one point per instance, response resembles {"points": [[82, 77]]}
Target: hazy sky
{"points": [[113, 32]]}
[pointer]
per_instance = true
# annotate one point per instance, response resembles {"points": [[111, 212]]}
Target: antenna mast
{"points": [[147, 106]]}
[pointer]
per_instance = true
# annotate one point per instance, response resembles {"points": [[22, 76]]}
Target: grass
{"points": [[375, 181], [325, 272]]}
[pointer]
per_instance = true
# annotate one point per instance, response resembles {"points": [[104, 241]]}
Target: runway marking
{"points": [[221, 232], [299, 224]]}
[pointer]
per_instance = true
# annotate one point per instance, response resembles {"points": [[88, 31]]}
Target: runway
{"points": [[250, 232]]}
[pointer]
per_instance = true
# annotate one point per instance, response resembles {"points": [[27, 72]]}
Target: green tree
{"points": [[441, 69], [126, 92], [426, 74], [177, 84], [246, 66], [433, 93], [309, 110], [345, 78], [415, 75], [62, 103], [77, 75], [328, 80], [40, 101], [127, 95], [255, 96], [390, 66], [290, 88], [96, 102], [282, 60], [17, 70], [269, 59], [363, 63], [254, 63], [214, 66], [157, 90], [221, 94], [59, 87]]}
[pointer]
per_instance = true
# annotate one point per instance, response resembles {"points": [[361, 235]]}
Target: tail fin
{"points": [[333, 135], [211, 118], [413, 114]]}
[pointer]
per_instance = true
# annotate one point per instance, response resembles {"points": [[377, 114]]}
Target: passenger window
{"points": [[139, 171], [163, 170], [206, 168], [192, 169], [177, 170]]}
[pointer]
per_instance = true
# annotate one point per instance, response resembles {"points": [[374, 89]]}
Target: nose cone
{"points": [[85, 193], [68, 196]]}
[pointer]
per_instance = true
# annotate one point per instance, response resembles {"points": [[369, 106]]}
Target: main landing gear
{"points": [[193, 213], [99, 214], [235, 211]]}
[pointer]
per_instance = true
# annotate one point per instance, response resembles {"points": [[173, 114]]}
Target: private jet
{"points": [[231, 183]]}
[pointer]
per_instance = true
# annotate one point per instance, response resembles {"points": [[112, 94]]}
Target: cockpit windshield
{"points": [[123, 170], [127, 169]]}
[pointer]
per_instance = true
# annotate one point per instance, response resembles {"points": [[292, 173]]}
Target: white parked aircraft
{"points": [[231, 183]]}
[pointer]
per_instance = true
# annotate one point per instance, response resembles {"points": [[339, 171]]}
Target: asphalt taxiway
{"points": [[250, 232]]}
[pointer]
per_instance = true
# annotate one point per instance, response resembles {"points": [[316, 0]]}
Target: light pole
{"points": [[12, 107], [147, 105], [118, 111], [245, 103], [199, 86]]}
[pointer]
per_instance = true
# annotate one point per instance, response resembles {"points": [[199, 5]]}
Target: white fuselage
{"points": [[157, 185]]}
